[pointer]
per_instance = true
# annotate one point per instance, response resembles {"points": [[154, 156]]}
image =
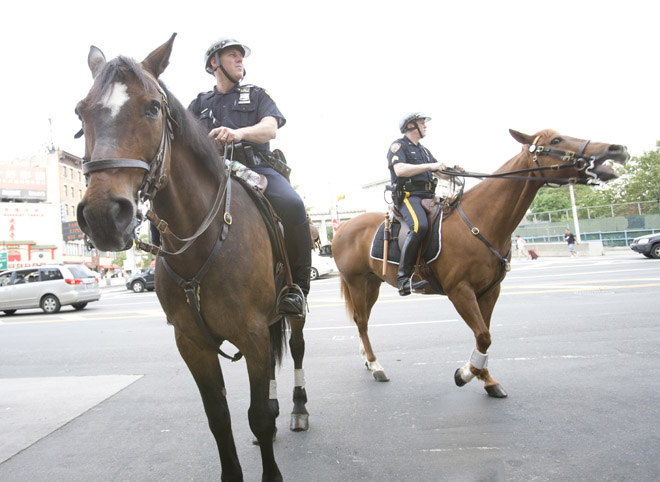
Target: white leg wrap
{"points": [[478, 359], [299, 378], [466, 373], [272, 392], [374, 366]]}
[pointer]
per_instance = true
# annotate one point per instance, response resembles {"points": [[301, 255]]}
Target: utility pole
{"points": [[575, 214]]}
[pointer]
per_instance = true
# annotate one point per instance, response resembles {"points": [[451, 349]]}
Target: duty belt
{"points": [[419, 186]]}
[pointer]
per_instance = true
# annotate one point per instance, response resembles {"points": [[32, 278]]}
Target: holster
{"points": [[278, 162]]}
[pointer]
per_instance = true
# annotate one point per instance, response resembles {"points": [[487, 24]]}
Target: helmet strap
{"points": [[231, 79]]}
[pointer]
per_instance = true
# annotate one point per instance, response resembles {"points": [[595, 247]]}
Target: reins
{"points": [[579, 161]]}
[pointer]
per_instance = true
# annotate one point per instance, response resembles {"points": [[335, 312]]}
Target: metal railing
{"points": [[593, 212], [610, 239]]}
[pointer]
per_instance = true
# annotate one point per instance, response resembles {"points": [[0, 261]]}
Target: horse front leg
{"points": [[205, 369], [299, 414], [263, 412], [477, 316]]}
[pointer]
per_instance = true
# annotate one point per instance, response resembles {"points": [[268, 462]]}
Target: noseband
{"points": [[156, 174]]}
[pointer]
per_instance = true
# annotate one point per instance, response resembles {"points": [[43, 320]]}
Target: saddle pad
{"points": [[394, 251]]}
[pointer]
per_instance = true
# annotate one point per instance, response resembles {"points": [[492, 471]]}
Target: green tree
{"points": [[639, 180]]}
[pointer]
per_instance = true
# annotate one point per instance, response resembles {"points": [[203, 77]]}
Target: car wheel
{"points": [[313, 273], [50, 304], [655, 251], [138, 286], [79, 306], [10, 312]]}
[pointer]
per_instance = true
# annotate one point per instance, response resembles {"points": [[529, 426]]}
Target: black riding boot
{"points": [[298, 243], [407, 264]]}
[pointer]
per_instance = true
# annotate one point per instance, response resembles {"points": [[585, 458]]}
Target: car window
{"points": [[49, 274], [26, 275], [5, 278], [80, 272]]}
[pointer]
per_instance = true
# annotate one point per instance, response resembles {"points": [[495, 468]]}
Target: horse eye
{"points": [[153, 109], [556, 140]]}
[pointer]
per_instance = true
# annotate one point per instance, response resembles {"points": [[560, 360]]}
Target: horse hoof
{"points": [[496, 391], [255, 440], [299, 422], [458, 379], [381, 376]]}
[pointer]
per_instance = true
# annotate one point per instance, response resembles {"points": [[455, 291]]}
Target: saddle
{"points": [[429, 248]]}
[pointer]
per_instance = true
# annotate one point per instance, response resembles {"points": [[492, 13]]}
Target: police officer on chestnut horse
{"points": [[411, 170]]}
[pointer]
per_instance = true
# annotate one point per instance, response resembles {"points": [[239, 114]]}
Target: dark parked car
{"points": [[648, 245], [142, 281]]}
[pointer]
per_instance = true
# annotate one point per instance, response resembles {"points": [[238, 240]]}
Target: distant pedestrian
{"points": [[570, 239], [521, 246]]}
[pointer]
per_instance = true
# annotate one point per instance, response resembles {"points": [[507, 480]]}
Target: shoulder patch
{"points": [[395, 147]]}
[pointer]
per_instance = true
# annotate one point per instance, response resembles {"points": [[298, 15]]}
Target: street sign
{"points": [[3, 260]]}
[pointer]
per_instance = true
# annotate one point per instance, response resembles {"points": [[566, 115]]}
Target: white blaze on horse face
{"points": [[115, 98]]}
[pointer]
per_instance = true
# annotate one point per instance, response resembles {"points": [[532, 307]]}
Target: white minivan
{"points": [[48, 287]]}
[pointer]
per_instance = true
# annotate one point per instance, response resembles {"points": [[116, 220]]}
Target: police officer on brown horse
{"points": [[411, 170], [245, 117]]}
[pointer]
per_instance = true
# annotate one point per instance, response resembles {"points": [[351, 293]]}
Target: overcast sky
{"points": [[344, 72]]}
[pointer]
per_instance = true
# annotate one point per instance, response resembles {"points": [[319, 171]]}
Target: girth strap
{"points": [[505, 266]]}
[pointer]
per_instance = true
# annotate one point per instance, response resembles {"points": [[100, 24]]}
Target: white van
{"points": [[48, 287]]}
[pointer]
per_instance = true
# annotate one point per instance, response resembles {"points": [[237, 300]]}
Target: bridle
{"points": [[156, 175], [154, 179], [579, 161]]}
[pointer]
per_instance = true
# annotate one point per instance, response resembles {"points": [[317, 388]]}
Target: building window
{"points": [[65, 190], [73, 193], [79, 194], [79, 176], [64, 171], [71, 173]]}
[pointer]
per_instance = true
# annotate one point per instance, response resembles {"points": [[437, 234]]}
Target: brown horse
{"points": [[467, 269], [217, 281]]}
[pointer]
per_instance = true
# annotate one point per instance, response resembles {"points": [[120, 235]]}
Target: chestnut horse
{"points": [[217, 279], [468, 270]]}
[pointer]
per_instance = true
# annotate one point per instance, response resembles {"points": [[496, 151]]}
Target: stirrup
{"points": [[291, 302], [410, 286]]}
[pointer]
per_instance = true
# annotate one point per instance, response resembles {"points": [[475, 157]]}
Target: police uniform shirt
{"points": [[403, 150], [242, 106]]}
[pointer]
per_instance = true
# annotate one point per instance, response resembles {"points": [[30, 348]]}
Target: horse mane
{"points": [[188, 130], [192, 133]]}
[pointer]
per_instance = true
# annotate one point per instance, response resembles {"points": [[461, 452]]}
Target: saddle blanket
{"points": [[431, 252]]}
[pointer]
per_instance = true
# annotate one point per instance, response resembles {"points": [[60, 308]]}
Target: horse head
{"points": [[127, 126], [563, 159]]}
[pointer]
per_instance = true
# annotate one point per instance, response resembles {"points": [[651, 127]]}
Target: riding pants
{"points": [[413, 213]]}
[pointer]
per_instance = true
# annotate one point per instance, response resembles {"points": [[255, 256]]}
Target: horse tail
{"points": [[278, 339], [346, 294]]}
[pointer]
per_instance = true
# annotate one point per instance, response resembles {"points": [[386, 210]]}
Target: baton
{"points": [[386, 242]]}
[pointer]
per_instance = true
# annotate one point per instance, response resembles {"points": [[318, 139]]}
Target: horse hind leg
{"points": [[361, 294], [299, 415]]}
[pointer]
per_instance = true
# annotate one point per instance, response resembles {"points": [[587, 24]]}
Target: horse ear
{"points": [[95, 60], [520, 137], [159, 59]]}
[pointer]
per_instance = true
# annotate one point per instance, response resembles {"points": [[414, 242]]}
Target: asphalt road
{"points": [[103, 395]]}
